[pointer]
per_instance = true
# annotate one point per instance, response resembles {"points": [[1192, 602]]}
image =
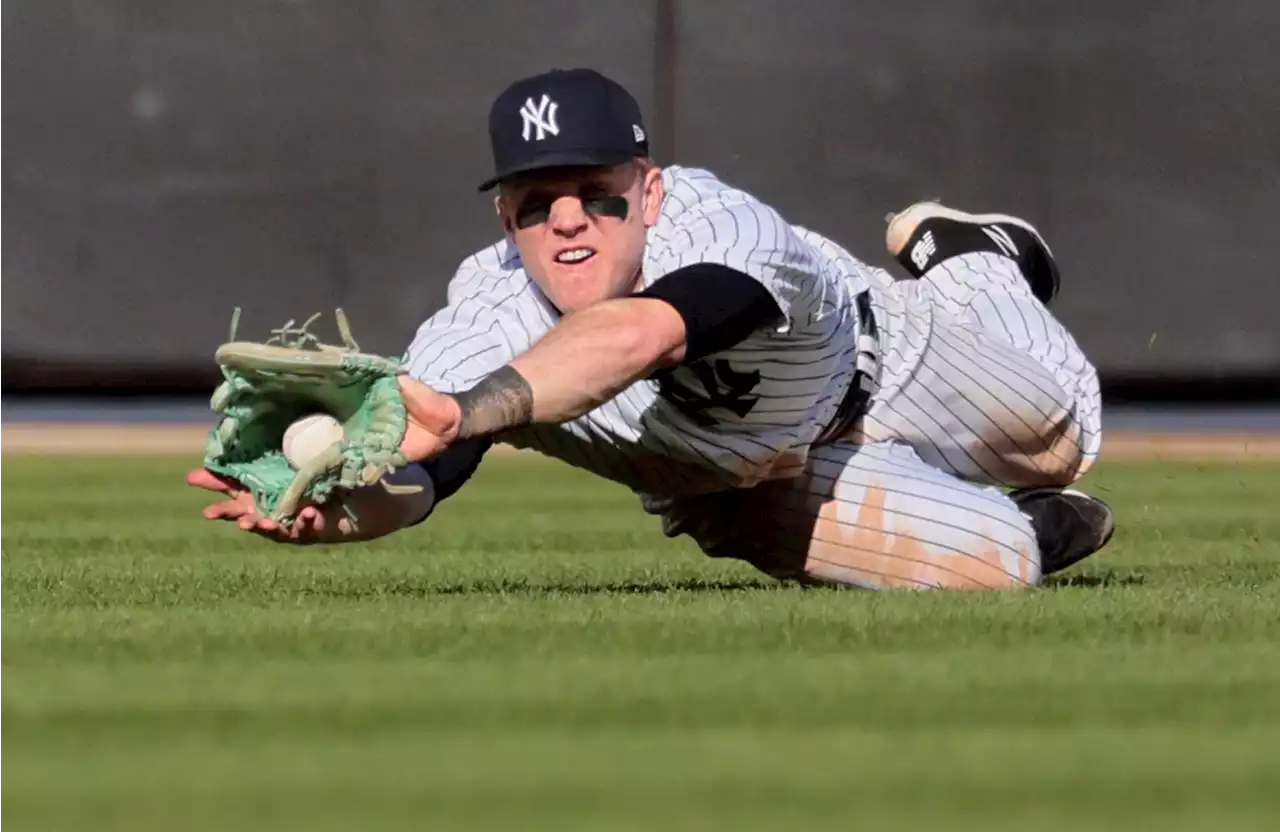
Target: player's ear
{"points": [[651, 193], [503, 216]]}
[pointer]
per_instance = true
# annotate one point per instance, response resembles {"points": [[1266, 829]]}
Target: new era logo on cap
{"points": [[563, 118]]}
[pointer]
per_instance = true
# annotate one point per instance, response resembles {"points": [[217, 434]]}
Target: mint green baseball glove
{"points": [[269, 385]]}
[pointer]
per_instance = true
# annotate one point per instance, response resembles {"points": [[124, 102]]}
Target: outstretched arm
{"points": [[584, 362], [587, 359], [593, 355]]}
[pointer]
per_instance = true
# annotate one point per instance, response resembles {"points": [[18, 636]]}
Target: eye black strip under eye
{"points": [[604, 206], [607, 206]]}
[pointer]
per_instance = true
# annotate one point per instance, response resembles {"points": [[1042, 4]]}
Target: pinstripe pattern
{"points": [[873, 516], [983, 381], [977, 386], [642, 438]]}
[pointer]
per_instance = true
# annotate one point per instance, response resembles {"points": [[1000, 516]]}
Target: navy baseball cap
{"points": [[562, 118]]}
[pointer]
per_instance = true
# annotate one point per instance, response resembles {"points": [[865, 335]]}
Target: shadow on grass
{"points": [[635, 587], [642, 586], [1094, 581], [414, 588]]}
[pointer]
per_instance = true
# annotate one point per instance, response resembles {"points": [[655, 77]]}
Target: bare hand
{"points": [[313, 524]]}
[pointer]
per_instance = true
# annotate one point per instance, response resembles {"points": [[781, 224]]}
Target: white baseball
{"points": [[307, 437]]}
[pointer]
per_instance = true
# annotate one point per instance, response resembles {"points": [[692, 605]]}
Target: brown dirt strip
{"points": [[1197, 447], [105, 438], [46, 438], [102, 438]]}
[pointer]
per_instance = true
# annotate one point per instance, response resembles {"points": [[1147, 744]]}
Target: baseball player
{"points": [[759, 388]]}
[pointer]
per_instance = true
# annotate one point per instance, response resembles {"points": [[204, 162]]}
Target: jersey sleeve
{"points": [[753, 239], [458, 346]]}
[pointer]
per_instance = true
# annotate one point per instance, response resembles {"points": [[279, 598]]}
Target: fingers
{"points": [[312, 518], [254, 522], [228, 510], [204, 478], [307, 527]]}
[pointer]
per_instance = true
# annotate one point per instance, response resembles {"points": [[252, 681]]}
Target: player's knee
{"points": [[1049, 454], [1063, 465]]}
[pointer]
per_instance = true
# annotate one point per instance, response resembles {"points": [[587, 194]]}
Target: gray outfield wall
{"points": [[167, 160]]}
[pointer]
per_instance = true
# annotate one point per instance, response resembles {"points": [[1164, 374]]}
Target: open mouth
{"points": [[574, 256]]}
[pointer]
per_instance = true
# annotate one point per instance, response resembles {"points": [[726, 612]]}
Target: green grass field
{"points": [[538, 656]]}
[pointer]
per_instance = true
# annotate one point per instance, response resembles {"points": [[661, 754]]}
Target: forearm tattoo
{"points": [[500, 401]]}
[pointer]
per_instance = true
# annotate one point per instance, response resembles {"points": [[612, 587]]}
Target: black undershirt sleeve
{"points": [[720, 306]]}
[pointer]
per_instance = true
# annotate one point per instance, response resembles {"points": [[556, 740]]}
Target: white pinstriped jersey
{"points": [[729, 420]]}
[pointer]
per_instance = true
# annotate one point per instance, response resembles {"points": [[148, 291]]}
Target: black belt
{"points": [[858, 397]]}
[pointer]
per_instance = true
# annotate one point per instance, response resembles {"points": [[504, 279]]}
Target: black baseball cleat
{"points": [[1069, 525], [927, 233]]}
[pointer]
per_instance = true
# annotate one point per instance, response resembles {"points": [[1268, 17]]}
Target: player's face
{"points": [[581, 231]]}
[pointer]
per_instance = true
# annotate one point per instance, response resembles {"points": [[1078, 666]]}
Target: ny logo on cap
{"points": [[540, 117]]}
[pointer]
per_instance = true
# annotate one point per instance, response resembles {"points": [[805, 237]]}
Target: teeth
{"points": [[574, 255]]}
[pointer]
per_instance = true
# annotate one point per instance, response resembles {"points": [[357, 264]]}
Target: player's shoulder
{"points": [[498, 261], [694, 191], [493, 276], [699, 191], [700, 208]]}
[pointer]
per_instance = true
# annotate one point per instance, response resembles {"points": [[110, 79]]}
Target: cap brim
{"points": [[564, 159]]}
